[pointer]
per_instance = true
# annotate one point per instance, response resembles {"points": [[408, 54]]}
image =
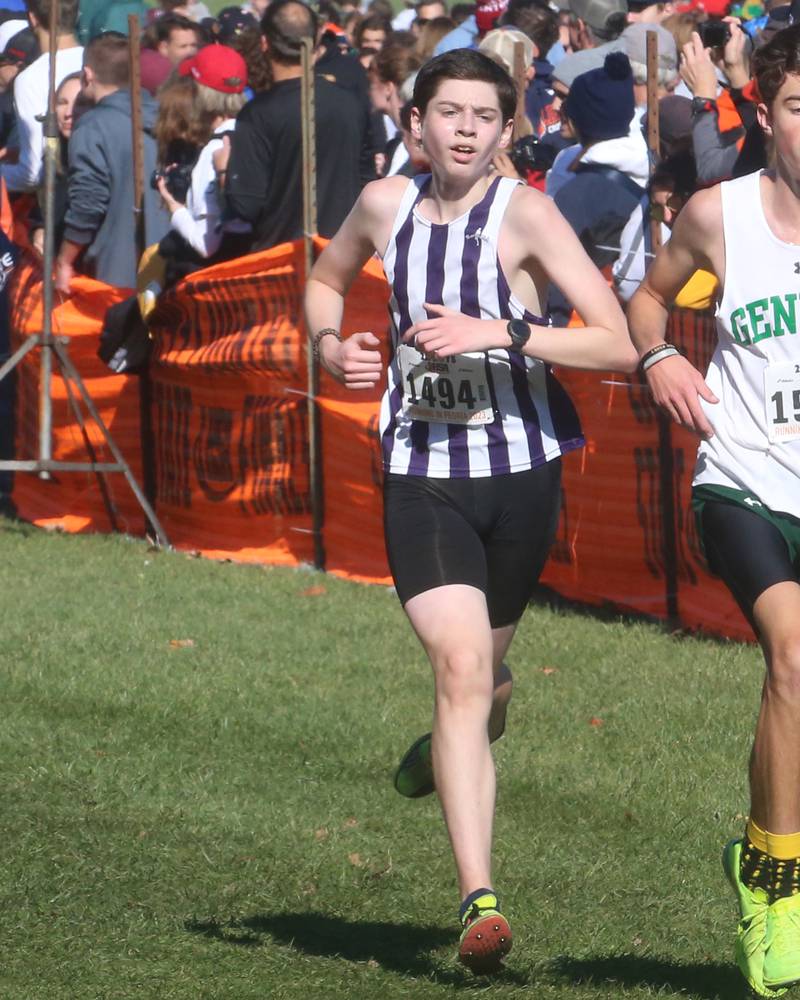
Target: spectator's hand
{"points": [[451, 332], [169, 201], [9, 155], [355, 361], [735, 59], [37, 240], [697, 69], [220, 160], [64, 273], [677, 386], [502, 165]]}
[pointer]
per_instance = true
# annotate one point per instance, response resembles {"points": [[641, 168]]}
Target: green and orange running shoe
{"points": [[751, 933], [414, 776], [486, 937]]}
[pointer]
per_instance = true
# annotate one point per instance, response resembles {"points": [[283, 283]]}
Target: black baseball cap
{"points": [[21, 48]]}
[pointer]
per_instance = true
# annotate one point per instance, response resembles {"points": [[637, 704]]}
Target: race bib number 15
{"points": [[782, 399], [445, 390]]}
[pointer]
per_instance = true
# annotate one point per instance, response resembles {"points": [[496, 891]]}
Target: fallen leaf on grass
{"points": [[349, 823], [181, 643], [321, 834], [314, 591], [549, 670], [380, 872], [355, 860], [594, 721]]}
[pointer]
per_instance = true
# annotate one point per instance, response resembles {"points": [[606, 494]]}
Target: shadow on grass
{"points": [[699, 981], [403, 948]]}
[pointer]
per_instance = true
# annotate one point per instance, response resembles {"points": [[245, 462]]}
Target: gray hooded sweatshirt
{"points": [[100, 189]]}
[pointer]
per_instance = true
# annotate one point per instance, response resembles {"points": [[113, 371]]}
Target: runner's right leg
{"points": [[753, 557], [452, 623]]}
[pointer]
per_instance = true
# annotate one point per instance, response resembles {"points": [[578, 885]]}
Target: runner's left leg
{"points": [[503, 681]]}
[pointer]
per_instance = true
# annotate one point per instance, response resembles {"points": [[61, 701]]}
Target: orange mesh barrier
{"points": [[616, 542], [352, 469], [229, 410], [74, 501], [229, 415]]}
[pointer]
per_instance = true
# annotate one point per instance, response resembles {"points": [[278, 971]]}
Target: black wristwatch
{"points": [[520, 334], [702, 104]]}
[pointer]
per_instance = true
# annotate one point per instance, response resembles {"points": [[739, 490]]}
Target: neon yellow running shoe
{"points": [[782, 962], [751, 933], [486, 938], [414, 776]]}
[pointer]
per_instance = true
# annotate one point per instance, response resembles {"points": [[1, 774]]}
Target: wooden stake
{"points": [[309, 166], [653, 139]]}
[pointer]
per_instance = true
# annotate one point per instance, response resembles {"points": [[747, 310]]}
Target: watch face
{"points": [[519, 331]]}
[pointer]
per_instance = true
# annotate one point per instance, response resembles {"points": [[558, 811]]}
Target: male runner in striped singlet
{"points": [[473, 424], [746, 490]]}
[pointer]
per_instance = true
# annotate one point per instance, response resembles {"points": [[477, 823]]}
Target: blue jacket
{"points": [[100, 189]]}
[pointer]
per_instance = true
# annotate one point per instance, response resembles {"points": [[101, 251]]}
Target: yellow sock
{"points": [[783, 846], [758, 838]]}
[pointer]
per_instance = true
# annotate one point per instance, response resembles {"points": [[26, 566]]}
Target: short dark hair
{"points": [[167, 23], [678, 172], [372, 22], [534, 19], [67, 14], [284, 25], [465, 64], [773, 62], [107, 57]]}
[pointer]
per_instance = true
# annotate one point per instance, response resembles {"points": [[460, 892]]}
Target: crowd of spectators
{"points": [[221, 117]]}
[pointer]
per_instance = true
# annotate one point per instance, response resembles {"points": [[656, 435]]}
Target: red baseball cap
{"points": [[218, 67]]}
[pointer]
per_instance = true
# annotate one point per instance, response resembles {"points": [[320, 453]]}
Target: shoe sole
{"points": [[408, 761], [485, 944]]}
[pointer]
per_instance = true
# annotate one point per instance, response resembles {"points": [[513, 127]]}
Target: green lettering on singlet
{"points": [[739, 327], [783, 314], [755, 311]]}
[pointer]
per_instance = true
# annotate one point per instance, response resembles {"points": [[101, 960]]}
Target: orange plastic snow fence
{"points": [[229, 415]]}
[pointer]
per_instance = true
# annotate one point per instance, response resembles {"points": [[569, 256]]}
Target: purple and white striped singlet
{"points": [[529, 419]]}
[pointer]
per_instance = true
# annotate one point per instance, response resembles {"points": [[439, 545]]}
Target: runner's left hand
{"points": [[451, 332]]}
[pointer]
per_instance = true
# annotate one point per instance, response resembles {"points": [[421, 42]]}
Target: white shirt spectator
{"points": [[199, 221], [30, 100]]}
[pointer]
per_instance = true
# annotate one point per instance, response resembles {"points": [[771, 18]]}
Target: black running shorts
{"points": [[748, 545], [492, 533]]}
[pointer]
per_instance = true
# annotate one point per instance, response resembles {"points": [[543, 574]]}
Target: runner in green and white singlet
{"points": [[746, 489]]}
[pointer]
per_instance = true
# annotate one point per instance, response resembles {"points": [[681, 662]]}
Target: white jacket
{"points": [[199, 221]]}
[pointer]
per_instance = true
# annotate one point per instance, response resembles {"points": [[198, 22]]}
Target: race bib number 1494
{"points": [[445, 390]]}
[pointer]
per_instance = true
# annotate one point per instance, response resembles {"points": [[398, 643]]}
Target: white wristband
{"points": [[669, 352]]}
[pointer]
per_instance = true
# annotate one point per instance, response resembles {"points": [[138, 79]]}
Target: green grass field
{"points": [[197, 803]]}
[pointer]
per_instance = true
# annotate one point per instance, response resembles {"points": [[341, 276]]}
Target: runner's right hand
{"points": [[354, 361], [677, 387]]}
